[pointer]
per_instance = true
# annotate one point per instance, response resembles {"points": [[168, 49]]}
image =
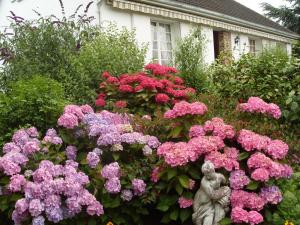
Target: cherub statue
{"points": [[211, 200]]}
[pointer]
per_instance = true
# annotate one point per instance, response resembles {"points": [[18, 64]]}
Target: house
{"points": [[226, 24]]}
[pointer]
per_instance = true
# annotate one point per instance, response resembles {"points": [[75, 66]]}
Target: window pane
{"points": [[155, 45], [155, 54], [169, 46], [168, 37], [168, 28], [164, 55], [153, 24]]}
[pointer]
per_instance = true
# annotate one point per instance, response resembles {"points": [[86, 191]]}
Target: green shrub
{"points": [[270, 75], [69, 51], [289, 208], [189, 59], [37, 101], [114, 50]]}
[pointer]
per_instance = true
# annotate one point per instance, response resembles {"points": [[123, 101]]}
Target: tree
{"points": [[289, 16]]}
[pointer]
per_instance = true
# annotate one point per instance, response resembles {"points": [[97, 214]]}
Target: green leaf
{"points": [[166, 219], [179, 189], [92, 222], [176, 132], [116, 156], [194, 173], [174, 214], [243, 155], [184, 181], [184, 214], [171, 172], [162, 207], [225, 221], [252, 186]]}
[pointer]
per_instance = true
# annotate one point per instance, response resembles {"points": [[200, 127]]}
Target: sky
{"points": [[255, 4]]}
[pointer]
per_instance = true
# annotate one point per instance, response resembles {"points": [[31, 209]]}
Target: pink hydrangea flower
{"points": [[277, 149], [260, 174], [68, 120], [196, 131], [255, 217], [184, 108], [218, 128], [238, 179], [239, 215], [185, 203]]}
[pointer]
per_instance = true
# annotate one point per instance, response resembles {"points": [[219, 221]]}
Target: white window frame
{"points": [[158, 40], [252, 48]]}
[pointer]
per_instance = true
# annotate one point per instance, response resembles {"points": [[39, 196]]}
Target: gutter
{"points": [[217, 16]]}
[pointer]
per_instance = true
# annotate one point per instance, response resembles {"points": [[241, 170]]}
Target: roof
{"points": [[235, 9]]}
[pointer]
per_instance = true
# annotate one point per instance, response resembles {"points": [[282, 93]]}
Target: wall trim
{"points": [[173, 14]]}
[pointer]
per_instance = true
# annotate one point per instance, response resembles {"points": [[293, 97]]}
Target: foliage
{"points": [[112, 50], [271, 75], [289, 16], [292, 109], [289, 208], [37, 101], [189, 60], [68, 50], [143, 93]]}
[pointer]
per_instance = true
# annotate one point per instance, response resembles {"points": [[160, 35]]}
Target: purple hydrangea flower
{"points": [[271, 194], [109, 139], [8, 147], [36, 207], [40, 220], [95, 209], [16, 183], [111, 170], [71, 152], [92, 159], [153, 142], [20, 137], [113, 185], [32, 132], [126, 195], [54, 215], [138, 186], [21, 206]]}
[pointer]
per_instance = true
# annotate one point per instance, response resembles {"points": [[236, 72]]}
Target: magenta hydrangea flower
{"points": [[217, 127], [184, 108], [255, 217], [138, 186]]}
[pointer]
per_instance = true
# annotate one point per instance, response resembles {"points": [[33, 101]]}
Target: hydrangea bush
{"points": [[143, 92], [250, 161], [86, 172]]}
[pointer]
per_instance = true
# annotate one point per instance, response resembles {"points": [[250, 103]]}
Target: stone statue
{"points": [[211, 201]]}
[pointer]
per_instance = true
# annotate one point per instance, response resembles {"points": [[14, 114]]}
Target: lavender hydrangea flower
{"points": [[54, 215], [21, 206], [113, 185], [40, 220], [16, 183], [111, 170], [138, 186], [20, 137], [271, 195], [71, 152], [92, 159], [68, 120], [109, 139], [153, 142], [32, 132], [8, 147], [126, 195], [98, 151], [95, 208], [36, 207]]}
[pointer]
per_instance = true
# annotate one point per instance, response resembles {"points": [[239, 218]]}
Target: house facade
{"points": [[226, 24]]}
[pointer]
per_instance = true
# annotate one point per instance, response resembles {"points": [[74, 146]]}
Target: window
{"points": [[252, 46], [162, 43]]}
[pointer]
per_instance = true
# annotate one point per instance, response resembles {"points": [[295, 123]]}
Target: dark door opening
{"points": [[216, 43]]}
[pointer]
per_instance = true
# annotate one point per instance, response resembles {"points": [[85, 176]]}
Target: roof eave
{"points": [[217, 16]]}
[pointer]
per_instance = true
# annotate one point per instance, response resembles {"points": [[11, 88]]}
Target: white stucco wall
{"points": [[241, 47], [104, 14], [289, 49], [45, 7]]}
